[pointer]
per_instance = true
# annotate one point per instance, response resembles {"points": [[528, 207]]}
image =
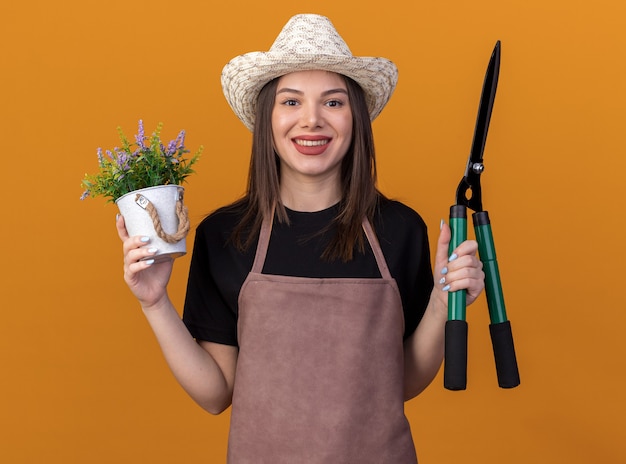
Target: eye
{"points": [[289, 102], [335, 103]]}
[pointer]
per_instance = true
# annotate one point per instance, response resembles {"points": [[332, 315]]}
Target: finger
{"points": [[443, 245], [471, 271], [472, 285], [469, 261], [138, 248], [468, 247], [463, 261], [470, 274], [141, 264], [121, 227]]}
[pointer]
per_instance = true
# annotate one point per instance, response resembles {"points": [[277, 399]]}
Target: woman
{"points": [[310, 305]]}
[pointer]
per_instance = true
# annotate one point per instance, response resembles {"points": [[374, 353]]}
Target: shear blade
{"points": [[474, 168]]}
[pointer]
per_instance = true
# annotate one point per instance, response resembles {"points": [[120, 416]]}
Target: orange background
{"points": [[82, 377]]}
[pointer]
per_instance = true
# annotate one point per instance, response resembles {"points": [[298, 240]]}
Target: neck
{"points": [[311, 196]]}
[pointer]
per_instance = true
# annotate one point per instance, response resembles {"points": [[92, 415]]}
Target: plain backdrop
{"points": [[82, 379]]}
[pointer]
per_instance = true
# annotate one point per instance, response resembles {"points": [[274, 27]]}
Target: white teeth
{"points": [[311, 143]]}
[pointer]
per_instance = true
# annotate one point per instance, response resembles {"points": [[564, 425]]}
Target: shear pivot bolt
{"points": [[478, 168]]}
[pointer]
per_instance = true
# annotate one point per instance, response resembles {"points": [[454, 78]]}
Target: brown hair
{"points": [[359, 196]]}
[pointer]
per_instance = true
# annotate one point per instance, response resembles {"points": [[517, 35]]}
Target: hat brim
{"points": [[245, 75]]}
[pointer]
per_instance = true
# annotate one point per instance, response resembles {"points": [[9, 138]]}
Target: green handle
{"points": [[500, 327], [455, 353], [458, 225], [487, 253]]}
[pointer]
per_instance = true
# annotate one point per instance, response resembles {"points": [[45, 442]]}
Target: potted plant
{"points": [[145, 179]]}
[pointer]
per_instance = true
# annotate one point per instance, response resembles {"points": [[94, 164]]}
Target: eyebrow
{"points": [[300, 92]]}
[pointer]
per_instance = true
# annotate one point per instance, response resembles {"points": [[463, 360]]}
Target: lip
{"points": [[311, 145]]}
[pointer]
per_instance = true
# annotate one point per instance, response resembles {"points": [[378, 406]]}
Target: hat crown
{"points": [[309, 34], [306, 42]]}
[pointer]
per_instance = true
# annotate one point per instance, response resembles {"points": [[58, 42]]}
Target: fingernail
{"points": [[117, 217], [149, 261], [441, 224], [444, 271], [452, 257], [145, 239], [446, 288], [442, 280], [152, 250]]}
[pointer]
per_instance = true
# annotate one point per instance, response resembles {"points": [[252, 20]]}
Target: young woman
{"points": [[311, 306]]}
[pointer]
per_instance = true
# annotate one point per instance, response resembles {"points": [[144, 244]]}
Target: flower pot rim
{"points": [[149, 188]]}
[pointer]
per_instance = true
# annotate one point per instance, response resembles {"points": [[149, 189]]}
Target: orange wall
{"points": [[82, 378]]}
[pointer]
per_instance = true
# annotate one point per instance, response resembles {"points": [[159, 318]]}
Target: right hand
{"points": [[147, 280]]}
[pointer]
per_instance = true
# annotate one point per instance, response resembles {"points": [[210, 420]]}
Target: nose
{"points": [[311, 116]]}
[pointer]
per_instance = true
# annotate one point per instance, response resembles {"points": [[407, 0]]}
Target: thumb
{"points": [[121, 227], [443, 244]]}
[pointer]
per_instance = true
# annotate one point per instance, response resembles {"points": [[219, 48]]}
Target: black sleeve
{"points": [[215, 275], [420, 284], [403, 237]]}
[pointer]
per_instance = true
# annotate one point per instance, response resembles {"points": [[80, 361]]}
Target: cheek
{"points": [[347, 129], [280, 124], [346, 123]]}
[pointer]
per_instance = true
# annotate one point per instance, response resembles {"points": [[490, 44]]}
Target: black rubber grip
{"points": [[504, 354], [455, 363]]}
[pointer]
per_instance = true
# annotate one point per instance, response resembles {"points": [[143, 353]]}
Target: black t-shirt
{"points": [[218, 269]]}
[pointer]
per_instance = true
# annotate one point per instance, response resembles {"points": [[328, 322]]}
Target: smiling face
{"points": [[311, 126]]}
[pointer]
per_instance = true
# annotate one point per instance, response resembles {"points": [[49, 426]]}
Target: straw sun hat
{"points": [[307, 42]]}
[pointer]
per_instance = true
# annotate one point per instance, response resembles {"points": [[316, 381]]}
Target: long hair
{"points": [[359, 195]]}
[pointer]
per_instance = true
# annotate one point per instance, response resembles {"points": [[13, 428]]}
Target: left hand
{"points": [[460, 270]]}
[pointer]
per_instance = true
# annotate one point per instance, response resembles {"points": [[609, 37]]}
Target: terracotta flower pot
{"points": [[159, 213]]}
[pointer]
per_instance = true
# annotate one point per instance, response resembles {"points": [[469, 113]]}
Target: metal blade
{"points": [[486, 105], [471, 179]]}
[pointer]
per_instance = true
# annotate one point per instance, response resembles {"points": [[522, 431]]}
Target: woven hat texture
{"points": [[307, 42]]}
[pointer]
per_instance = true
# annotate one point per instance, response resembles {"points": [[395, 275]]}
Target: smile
{"points": [[311, 143]]}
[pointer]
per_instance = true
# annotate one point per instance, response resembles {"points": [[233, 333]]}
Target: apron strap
{"points": [[264, 240], [378, 252]]}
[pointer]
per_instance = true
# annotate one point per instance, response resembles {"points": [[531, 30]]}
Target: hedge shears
{"points": [[469, 195]]}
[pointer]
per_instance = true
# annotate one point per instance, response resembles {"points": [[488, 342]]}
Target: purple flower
{"points": [[122, 160], [100, 158], [171, 148], [181, 139], [84, 195], [177, 144], [140, 137]]}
